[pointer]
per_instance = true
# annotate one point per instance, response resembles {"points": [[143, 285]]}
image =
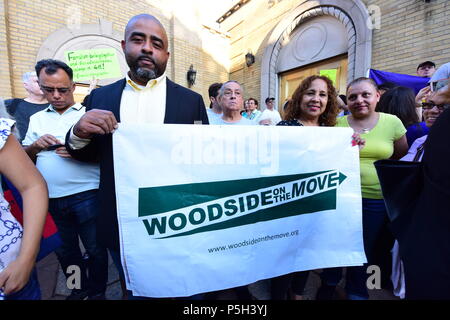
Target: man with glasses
{"points": [[431, 105], [231, 100], [72, 185], [431, 111]]}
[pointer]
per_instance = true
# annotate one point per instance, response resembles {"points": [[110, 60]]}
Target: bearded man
{"points": [[146, 95]]}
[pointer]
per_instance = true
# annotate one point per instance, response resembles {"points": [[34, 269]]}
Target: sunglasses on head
{"points": [[50, 90], [429, 106]]}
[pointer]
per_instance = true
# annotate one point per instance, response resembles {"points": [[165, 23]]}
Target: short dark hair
{"points": [[387, 86], [51, 66], [426, 63], [213, 89], [268, 99], [256, 101], [363, 79], [399, 101]]}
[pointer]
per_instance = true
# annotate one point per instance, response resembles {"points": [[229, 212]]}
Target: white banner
{"points": [[205, 208]]}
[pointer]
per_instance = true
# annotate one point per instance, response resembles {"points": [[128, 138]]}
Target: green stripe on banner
{"points": [[321, 202], [186, 210], [162, 199]]}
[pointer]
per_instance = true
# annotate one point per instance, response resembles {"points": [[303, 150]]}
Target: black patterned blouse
{"points": [[290, 123]]}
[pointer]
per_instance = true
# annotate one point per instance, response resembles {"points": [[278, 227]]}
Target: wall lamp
{"points": [[249, 59], [191, 75]]}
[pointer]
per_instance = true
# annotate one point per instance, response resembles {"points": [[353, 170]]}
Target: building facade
{"points": [[38, 29], [291, 39]]}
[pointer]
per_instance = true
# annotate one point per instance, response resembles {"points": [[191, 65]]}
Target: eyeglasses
{"points": [[429, 106], [50, 90]]}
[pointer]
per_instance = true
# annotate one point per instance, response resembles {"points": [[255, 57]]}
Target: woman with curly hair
{"points": [[313, 103]]}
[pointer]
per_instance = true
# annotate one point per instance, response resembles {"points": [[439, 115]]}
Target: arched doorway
{"points": [[314, 33], [84, 37], [335, 68]]}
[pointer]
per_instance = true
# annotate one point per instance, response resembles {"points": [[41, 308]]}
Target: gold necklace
{"points": [[358, 129]]}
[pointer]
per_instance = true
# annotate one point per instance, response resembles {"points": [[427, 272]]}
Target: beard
{"points": [[145, 74]]}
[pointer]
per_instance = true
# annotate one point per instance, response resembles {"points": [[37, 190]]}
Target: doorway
{"points": [[335, 68]]}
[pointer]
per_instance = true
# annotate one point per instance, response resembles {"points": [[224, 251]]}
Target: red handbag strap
{"points": [[49, 226]]}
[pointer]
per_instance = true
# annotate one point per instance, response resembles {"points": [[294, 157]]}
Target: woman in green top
{"points": [[385, 138], [384, 133]]}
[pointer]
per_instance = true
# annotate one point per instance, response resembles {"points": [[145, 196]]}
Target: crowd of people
{"points": [[65, 165]]}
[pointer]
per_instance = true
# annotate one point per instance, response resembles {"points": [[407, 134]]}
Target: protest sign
{"points": [[93, 64], [207, 208], [330, 73]]}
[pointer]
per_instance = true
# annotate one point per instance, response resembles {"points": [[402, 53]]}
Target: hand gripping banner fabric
{"points": [[205, 208]]}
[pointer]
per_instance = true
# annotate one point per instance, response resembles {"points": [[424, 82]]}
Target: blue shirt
{"points": [[416, 131], [212, 116], [64, 176], [255, 114]]}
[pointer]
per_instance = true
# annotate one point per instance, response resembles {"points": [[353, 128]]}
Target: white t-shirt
{"points": [[64, 176], [212, 116], [272, 115], [242, 122]]}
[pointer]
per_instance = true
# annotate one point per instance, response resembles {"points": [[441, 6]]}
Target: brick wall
{"points": [[411, 32], [249, 27], [31, 22], [5, 77]]}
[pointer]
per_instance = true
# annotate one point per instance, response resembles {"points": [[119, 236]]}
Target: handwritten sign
{"points": [[331, 74], [93, 64]]}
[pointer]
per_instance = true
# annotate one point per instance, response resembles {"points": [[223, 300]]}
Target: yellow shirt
{"points": [[139, 104], [379, 145], [144, 104]]}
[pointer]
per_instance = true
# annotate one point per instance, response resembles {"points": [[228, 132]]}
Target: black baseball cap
{"points": [[268, 99], [426, 63]]}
